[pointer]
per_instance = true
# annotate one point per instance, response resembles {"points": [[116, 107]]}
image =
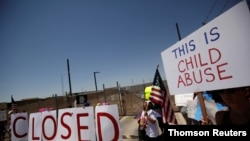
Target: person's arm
{"points": [[151, 118], [142, 121]]}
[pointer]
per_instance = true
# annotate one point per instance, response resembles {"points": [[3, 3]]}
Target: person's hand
{"points": [[143, 123], [205, 122]]}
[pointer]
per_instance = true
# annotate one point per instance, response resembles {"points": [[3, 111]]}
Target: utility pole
{"points": [[95, 79], [70, 90], [178, 31], [104, 93]]}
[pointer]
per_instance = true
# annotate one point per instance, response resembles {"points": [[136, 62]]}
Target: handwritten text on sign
{"points": [[71, 124], [214, 57]]}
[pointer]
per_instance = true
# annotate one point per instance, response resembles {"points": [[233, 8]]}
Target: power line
{"points": [[205, 21], [224, 7]]}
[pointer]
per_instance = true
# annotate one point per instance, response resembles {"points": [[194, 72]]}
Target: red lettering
{"points": [[14, 127], [78, 124], [66, 125], [189, 81], [195, 60], [33, 131], [112, 119], [201, 64], [180, 81], [179, 66], [215, 50], [55, 128], [220, 71], [195, 78], [204, 72], [209, 74], [189, 62], [48, 129]]}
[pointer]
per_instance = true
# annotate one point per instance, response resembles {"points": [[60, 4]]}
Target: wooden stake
{"points": [[203, 108]]}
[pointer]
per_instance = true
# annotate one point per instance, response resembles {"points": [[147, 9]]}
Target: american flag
{"points": [[160, 96], [13, 105]]}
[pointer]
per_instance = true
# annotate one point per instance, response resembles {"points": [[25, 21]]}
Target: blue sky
{"points": [[122, 39]]}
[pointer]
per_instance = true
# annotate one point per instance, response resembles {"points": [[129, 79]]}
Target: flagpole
{"points": [[160, 95]]}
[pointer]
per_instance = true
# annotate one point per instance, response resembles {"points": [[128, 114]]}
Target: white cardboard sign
{"points": [[181, 99], [216, 56], [68, 124]]}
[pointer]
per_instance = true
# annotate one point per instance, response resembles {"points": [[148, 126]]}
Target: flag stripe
{"points": [[13, 105], [156, 95], [160, 96], [168, 110]]}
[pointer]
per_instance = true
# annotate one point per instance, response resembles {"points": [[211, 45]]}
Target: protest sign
{"points": [[181, 99], [19, 120], [3, 116], [106, 121], [215, 54], [68, 124]]}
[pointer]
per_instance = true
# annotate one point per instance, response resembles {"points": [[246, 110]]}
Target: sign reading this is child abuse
{"points": [[216, 56], [70, 124]]}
